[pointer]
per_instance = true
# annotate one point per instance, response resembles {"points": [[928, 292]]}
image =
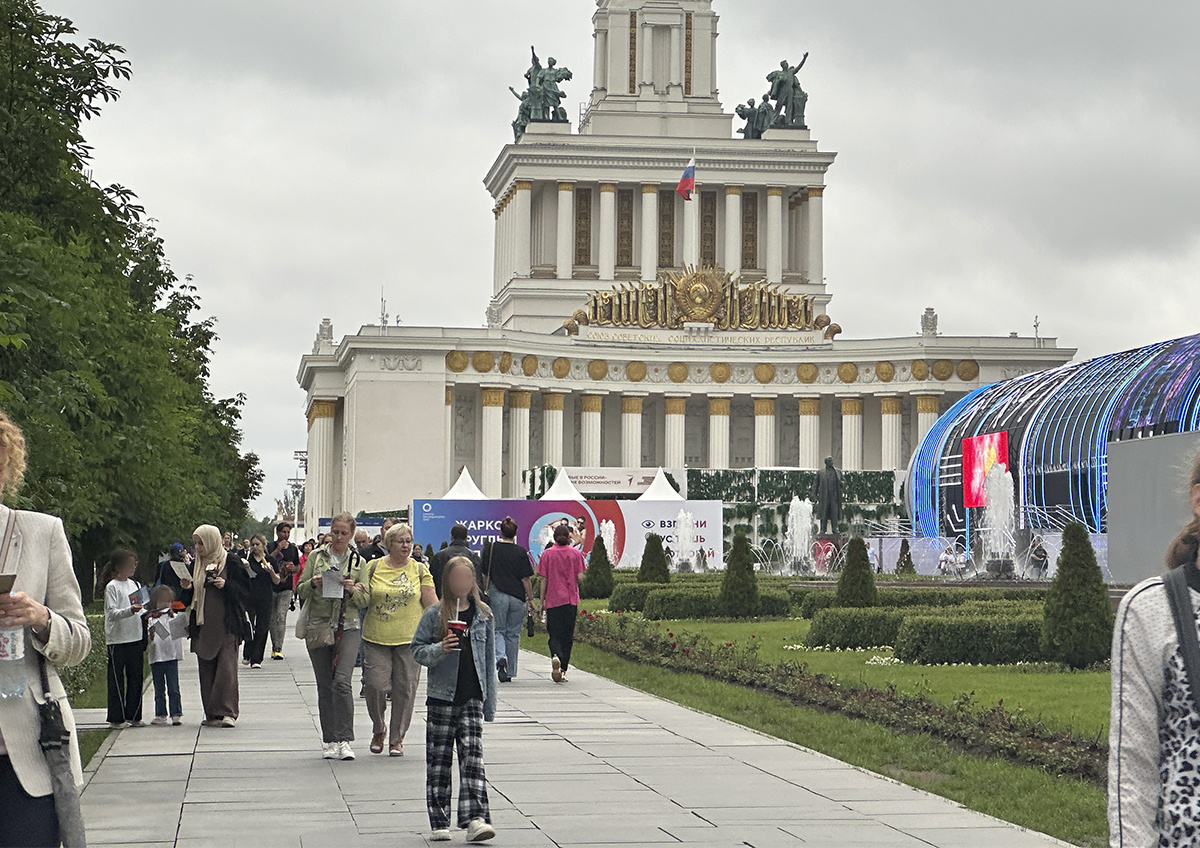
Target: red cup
{"points": [[459, 628]]}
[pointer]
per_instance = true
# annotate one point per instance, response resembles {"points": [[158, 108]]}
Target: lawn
{"points": [[1068, 809]]}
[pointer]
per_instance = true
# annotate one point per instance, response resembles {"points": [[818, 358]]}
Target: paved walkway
{"points": [[590, 763]]}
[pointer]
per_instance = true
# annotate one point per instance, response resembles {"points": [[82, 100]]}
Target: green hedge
{"points": [[855, 627], [774, 603], [987, 640], [631, 597], [79, 677], [817, 600], [676, 603]]}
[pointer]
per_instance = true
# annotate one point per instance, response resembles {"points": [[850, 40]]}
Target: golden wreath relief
{"points": [[704, 294]]}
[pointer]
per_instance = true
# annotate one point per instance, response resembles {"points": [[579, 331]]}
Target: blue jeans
{"points": [[166, 682], [510, 615]]}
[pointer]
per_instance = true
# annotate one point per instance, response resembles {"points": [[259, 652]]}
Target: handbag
{"points": [[1185, 627], [54, 739]]}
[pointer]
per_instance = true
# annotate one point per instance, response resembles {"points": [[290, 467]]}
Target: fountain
{"points": [[999, 523], [685, 541], [797, 540], [608, 532]]}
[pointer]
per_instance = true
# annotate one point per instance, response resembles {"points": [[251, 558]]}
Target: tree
{"points": [[904, 564], [1077, 621], [856, 585], [654, 567], [597, 581], [739, 586]]}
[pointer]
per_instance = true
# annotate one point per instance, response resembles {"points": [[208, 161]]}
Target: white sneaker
{"points": [[556, 672], [330, 751], [345, 752], [442, 835], [228, 722], [479, 831]]}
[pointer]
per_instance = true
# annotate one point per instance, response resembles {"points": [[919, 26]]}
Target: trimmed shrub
{"points": [[631, 597], [1078, 619], [851, 627], [654, 568], [94, 667], [681, 603], [597, 581], [774, 603], [739, 589], [817, 600], [905, 567], [856, 585], [987, 640]]}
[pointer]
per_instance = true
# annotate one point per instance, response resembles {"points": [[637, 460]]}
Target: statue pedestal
{"points": [[784, 134], [536, 128]]}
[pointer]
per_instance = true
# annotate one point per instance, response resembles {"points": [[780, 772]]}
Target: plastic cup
{"points": [[459, 628]]}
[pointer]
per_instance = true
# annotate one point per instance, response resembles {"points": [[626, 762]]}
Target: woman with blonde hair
{"points": [[456, 641], [45, 608], [1153, 798], [217, 624], [401, 588]]}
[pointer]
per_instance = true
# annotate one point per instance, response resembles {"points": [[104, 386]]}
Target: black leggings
{"points": [[126, 676], [259, 612], [26, 821], [560, 627]]}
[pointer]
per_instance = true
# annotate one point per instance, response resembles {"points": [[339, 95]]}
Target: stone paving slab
{"points": [[583, 765]]}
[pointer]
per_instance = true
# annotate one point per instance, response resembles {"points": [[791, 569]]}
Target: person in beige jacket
{"points": [[45, 601]]}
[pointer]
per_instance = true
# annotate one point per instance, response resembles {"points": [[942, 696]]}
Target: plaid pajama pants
{"points": [[445, 727]]}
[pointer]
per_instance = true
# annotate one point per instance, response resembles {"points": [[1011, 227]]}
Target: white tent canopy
{"points": [[661, 490], [562, 490], [464, 489]]}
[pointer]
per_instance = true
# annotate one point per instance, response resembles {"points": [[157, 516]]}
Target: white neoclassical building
{"points": [[631, 328]]}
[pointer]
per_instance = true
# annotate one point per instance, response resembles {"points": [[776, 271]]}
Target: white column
{"points": [[592, 407], [518, 441], [522, 220], [676, 71], [564, 254], [733, 229], [774, 234], [852, 434], [631, 430], [650, 232], [718, 431], [646, 43], [816, 263], [691, 229], [927, 413], [552, 429], [318, 482], [448, 435], [764, 431], [607, 257], [673, 449], [801, 237], [491, 469], [810, 432], [891, 454]]}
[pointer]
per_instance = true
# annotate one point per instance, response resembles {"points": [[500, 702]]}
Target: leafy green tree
{"points": [[597, 581], [739, 586], [654, 567], [856, 585], [905, 567], [102, 361], [1077, 622]]}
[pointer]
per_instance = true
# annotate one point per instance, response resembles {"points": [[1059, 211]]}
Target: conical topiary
{"points": [[856, 585], [904, 565], [739, 586], [597, 581], [1077, 623], [654, 568]]}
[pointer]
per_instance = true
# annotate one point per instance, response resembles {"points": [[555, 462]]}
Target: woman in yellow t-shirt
{"points": [[401, 588]]}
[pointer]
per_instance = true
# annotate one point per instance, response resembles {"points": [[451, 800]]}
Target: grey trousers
{"points": [[280, 604], [335, 698], [510, 616], [390, 668]]}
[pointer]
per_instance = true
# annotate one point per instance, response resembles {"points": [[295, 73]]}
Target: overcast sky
{"points": [[997, 161]]}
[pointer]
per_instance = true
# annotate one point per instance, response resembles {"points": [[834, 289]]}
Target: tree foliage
{"points": [[1077, 623], [597, 581], [904, 563], [739, 586], [856, 585], [654, 567], [103, 362]]}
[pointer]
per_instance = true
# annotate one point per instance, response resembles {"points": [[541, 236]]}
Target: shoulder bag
{"points": [[1185, 627]]}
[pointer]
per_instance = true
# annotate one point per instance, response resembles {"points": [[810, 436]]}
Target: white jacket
{"points": [[41, 559]]}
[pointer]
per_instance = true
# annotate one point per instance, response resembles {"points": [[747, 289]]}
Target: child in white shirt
{"points": [[123, 637], [165, 627]]}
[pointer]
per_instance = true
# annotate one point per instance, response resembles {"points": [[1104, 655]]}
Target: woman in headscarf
{"points": [[220, 586]]}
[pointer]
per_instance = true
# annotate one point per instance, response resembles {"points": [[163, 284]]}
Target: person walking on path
{"points": [[457, 548], [332, 631], [456, 641], [125, 639], [44, 606], [165, 628], [263, 580], [217, 594], [560, 568], [286, 558], [507, 573], [400, 590], [1154, 748]]}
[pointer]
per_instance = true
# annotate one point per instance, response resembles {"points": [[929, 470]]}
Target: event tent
{"points": [[464, 489], [661, 490], [562, 490]]}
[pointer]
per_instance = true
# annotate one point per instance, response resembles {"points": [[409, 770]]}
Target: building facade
{"points": [[630, 327]]}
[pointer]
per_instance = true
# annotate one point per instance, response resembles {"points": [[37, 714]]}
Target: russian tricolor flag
{"points": [[687, 183]]}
